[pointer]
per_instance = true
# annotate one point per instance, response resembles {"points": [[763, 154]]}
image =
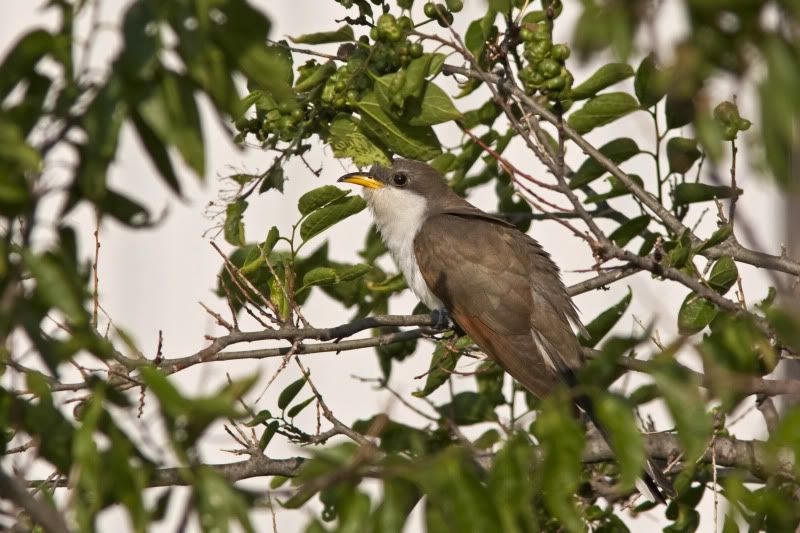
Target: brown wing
{"points": [[503, 290]]}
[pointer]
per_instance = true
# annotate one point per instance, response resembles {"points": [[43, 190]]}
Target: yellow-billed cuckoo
{"points": [[495, 282]]}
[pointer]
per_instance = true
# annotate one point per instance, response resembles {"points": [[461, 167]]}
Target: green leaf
{"points": [[618, 151], [688, 193], [443, 362], [56, 286], [488, 438], [294, 411], [489, 377], [23, 57], [512, 486], [169, 109], [273, 180], [434, 107], [288, 394], [415, 102], [261, 417], [602, 324], [325, 217], [721, 235], [234, 227], [316, 76], [270, 241], [413, 142], [559, 469], [468, 408], [632, 228], [399, 498], [695, 314], [681, 154], [617, 189], [605, 76], [456, 498], [345, 33], [321, 196], [17, 157], [649, 84], [353, 272], [486, 114], [723, 274], [601, 110], [218, 502], [617, 417], [267, 435], [679, 111], [348, 140], [501, 6], [320, 276], [686, 404], [157, 151]]}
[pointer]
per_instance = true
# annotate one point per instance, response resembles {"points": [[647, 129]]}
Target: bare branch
{"points": [[39, 512]]}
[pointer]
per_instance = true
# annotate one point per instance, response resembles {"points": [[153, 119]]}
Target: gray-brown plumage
{"points": [[495, 282]]}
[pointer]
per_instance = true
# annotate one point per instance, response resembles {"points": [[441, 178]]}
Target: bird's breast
{"points": [[398, 216]]}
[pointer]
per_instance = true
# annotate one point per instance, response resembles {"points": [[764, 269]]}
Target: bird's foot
{"points": [[441, 319]]}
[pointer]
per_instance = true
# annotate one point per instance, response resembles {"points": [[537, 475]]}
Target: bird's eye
{"points": [[400, 179]]}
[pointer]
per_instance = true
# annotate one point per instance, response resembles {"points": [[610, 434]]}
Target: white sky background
{"points": [[152, 280]]}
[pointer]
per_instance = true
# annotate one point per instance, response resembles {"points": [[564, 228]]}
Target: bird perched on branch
{"points": [[495, 282]]}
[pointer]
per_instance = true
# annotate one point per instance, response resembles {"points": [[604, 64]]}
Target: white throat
{"points": [[398, 215]]}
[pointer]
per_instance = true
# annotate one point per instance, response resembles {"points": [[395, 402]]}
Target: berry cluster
{"points": [[545, 71], [392, 48], [727, 114], [344, 86], [443, 14]]}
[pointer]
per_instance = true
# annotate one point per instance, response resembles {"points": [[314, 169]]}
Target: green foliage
{"points": [[602, 324], [618, 151], [601, 110], [383, 95]]}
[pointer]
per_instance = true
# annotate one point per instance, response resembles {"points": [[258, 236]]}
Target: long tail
{"points": [[653, 482]]}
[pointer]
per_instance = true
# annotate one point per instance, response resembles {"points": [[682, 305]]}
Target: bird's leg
{"points": [[441, 319]]}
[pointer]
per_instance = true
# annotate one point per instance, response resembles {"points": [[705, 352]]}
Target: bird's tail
{"points": [[653, 483]]}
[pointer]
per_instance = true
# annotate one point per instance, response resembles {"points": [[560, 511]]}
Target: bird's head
{"points": [[403, 175], [403, 186]]}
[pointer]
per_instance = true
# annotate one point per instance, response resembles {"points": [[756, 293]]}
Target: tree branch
{"points": [[40, 513], [728, 452], [730, 247]]}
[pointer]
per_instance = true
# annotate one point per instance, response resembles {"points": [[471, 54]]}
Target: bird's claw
{"points": [[441, 319]]}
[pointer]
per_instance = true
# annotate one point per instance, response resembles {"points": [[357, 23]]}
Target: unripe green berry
{"points": [[726, 112], [549, 68], [526, 35], [415, 50], [393, 33], [386, 20], [729, 132], [287, 123], [560, 52], [455, 5], [542, 32], [555, 84], [429, 10]]}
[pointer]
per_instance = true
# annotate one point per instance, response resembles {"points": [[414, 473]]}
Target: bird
{"points": [[495, 282]]}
